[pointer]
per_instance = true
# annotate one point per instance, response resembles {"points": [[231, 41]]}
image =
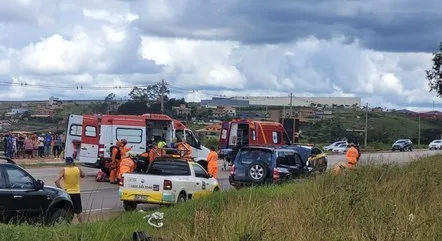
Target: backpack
{"points": [[101, 176], [118, 156]]}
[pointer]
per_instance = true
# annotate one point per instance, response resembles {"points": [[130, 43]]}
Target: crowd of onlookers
{"points": [[33, 145]]}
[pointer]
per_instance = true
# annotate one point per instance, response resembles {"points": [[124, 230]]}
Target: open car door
{"points": [[89, 140], [73, 136]]}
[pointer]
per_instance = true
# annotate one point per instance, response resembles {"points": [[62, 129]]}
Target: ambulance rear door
{"points": [[89, 140]]}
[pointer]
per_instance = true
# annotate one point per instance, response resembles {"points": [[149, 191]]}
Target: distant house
{"points": [[212, 131], [182, 110], [230, 111], [16, 111], [218, 114], [377, 109]]}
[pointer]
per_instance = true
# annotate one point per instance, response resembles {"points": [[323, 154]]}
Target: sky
{"points": [[85, 49]]}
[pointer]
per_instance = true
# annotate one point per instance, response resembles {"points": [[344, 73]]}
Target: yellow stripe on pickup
{"points": [[147, 196]]}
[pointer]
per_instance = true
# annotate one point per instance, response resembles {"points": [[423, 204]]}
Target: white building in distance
{"points": [[300, 101]]}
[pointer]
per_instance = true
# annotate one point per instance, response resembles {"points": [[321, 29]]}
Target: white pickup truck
{"points": [[167, 181]]}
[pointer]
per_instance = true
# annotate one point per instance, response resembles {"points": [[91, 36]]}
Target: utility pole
{"points": [[366, 126], [419, 130], [162, 96], [291, 104]]}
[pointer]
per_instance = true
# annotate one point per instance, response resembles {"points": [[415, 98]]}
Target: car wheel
{"points": [[257, 172], [129, 206], [181, 198], [61, 215]]}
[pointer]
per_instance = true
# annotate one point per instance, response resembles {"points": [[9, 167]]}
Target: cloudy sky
{"points": [[377, 49]]}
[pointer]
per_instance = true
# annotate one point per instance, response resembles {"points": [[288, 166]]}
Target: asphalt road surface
{"points": [[100, 197]]}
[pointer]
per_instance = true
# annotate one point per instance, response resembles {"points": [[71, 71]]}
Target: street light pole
{"points": [[366, 126]]}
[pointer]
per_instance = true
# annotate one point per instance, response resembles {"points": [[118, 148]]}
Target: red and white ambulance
{"points": [[89, 137]]}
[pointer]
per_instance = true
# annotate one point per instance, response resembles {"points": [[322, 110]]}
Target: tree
{"points": [[133, 108], [434, 76], [109, 98], [150, 93]]}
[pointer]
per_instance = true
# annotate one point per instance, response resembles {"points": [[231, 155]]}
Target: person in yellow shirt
{"points": [[212, 162], [71, 175]]}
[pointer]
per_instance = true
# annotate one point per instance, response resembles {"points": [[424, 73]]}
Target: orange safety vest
{"points": [[127, 165], [154, 153], [185, 149], [352, 157], [212, 159]]}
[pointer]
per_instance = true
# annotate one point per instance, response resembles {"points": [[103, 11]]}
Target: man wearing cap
{"points": [[71, 175]]}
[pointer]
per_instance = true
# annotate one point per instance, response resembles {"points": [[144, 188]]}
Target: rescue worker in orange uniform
{"points": [[115, 162], [153, 153], [212, 162], [127, 164], [123, 147], [185, 149], [352, 156]]}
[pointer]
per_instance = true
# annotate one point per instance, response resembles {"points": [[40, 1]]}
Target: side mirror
{"points": [[198, 144], [39, 185]]}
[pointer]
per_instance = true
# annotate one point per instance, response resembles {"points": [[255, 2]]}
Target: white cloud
{"points": [[87, 44]]}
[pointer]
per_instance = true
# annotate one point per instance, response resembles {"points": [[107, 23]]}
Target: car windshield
{"points": [[248, 156]]}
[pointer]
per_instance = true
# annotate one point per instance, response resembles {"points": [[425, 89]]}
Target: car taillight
{"points": [[101, 150], [121, 183], [275, 174], [232, 170], [167, 185]]}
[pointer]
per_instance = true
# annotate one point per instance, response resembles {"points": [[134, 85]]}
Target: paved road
{"points": [[102, 197]]}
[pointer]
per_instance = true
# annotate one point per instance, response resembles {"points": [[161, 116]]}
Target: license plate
{"points": [[140, 197]]}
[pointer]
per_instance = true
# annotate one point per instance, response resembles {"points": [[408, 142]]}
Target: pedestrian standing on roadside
{"points": [[10, 149], [57, 147], [71, 175], [5, 144], [14, 146], [41, 146], [47, 144], [29, 147]]}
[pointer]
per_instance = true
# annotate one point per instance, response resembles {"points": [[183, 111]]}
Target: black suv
{"points": [[25, 199], [258, 165], [402, 145]]}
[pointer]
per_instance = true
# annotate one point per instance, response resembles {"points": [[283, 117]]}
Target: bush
{"points": [[211, 142], [382, 202]]}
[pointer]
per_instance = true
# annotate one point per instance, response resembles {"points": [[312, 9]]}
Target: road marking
{"points": [[97, 210], [90, 192]]}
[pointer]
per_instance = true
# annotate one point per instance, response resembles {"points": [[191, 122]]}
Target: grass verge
{"points": [[383, 202]]}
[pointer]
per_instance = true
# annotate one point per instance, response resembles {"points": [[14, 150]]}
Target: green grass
{"points": [[372, 203]]}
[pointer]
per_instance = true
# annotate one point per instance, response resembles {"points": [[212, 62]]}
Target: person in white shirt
{"points": [[41, 146]]}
